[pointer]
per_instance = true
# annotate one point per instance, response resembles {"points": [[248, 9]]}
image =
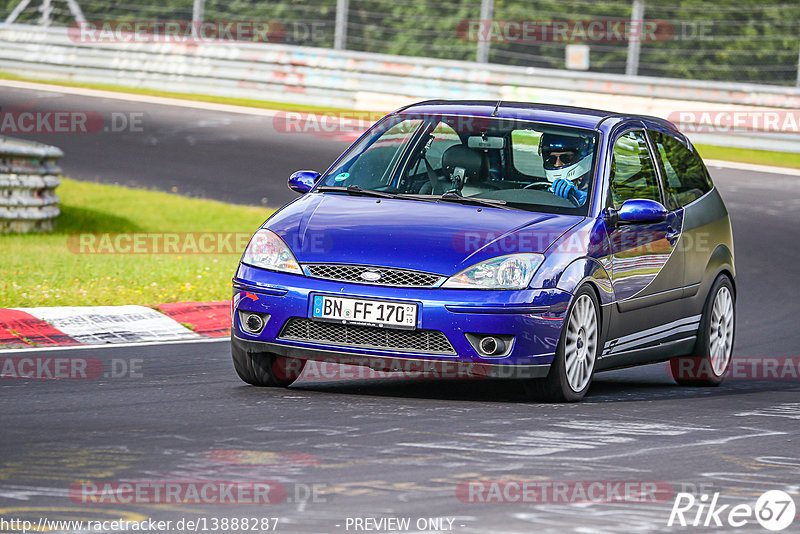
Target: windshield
{"points": [[526, 165]]}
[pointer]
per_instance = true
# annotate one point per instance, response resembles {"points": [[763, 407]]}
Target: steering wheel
{"points": [[546, 186], [538, 185]]}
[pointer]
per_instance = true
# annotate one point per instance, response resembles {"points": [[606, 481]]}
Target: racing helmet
{"points": [[574, 166]]}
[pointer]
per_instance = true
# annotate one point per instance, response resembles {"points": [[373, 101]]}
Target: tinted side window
{"points": [[686, 178], [632, 172]]}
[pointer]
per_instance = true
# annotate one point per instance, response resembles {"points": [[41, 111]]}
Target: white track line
{"points": [[113, 345]]}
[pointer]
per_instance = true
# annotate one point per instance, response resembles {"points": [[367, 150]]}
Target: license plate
{"points": [[348, 310]]}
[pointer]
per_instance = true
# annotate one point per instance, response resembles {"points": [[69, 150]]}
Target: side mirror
{"points": [[302, 181], [639, 210]]}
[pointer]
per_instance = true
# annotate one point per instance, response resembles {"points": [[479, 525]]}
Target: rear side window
{"points": [[685, 177], [633, 174]]}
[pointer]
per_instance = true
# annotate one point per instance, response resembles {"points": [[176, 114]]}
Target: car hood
{"points": [[441, 238]]}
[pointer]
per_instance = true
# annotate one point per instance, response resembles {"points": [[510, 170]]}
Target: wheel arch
{"points": [[721, 262], [587, 270]]}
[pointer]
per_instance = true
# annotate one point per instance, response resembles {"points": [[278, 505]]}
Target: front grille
{"points": [[388, 277], [372, 337]]}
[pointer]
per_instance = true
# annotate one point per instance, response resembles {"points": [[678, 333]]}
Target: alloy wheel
{"points": [[580, 348], [721, 335]]}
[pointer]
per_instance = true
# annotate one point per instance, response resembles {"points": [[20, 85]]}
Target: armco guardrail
{"points": [[28, 179], [362, 81]]}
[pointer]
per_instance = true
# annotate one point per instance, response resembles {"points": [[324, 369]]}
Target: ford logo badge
{"points": [[371, 276]]}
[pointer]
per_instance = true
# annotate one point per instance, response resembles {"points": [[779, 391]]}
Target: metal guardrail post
{"points": [[198, 12], [487, 12], [798, 66], [46, 10], [635, 41], [340, 32], [28, 179]]}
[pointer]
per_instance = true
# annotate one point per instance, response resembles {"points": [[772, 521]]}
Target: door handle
{"points": [[672, 235]]}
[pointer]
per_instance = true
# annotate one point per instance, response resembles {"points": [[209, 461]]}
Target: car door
{"points": [[686, 184], [646, 267]]}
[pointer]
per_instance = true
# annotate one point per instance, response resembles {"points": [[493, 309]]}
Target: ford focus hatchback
{"points": [[524, 241]]}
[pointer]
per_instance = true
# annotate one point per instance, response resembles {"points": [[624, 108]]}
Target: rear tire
{"points": [[572, 369], [713, 351], [265, 369]]}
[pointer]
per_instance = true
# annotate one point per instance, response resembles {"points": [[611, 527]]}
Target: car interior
{"points": [[495, 164]]}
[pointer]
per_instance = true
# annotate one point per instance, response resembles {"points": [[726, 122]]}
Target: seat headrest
{"points": [[471, 161]]}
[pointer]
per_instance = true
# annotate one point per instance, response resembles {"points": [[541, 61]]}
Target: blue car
{"points": [[502, 239]]}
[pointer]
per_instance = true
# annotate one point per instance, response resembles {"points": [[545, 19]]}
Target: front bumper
{"points": [[533, 316]]}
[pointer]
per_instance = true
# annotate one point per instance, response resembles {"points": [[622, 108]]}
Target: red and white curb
{"points": [[100, 325]]}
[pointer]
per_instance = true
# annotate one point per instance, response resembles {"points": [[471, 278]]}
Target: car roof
{"points": [[549, 113]]}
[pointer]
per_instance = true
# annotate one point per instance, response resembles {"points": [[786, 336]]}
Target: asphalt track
{"points": [[234, 157], [394, 447]]}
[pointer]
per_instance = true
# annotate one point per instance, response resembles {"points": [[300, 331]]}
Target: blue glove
{"points": [[562, 187]]}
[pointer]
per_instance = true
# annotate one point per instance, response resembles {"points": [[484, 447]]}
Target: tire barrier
{"points": [[28, 179]]}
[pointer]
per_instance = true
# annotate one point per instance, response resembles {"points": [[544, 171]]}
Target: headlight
{"points": [[503, 272], [268, 251]]}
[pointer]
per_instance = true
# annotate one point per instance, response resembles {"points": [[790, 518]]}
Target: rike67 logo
{"points": [[774, 510]]}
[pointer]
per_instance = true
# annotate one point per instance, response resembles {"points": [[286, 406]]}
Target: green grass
{"points": [[742, 155], [45, 270]]}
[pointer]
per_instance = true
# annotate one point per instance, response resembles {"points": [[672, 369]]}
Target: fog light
{"points": [[491, 346], [252, 322]]}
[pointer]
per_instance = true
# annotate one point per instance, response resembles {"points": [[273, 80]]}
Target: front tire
{"points": [[711, 359], [576, 354], [264, 368]]}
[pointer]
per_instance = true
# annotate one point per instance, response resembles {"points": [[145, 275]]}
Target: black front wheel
{"points": [[572, 369], [265, 369]]}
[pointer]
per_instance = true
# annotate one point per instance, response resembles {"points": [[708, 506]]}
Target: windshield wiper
{"points": [[449, 196], [452, 196], [359, 191], [356, 190]]}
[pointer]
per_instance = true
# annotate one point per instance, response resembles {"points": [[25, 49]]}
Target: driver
{"points": [[567, 162]]}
